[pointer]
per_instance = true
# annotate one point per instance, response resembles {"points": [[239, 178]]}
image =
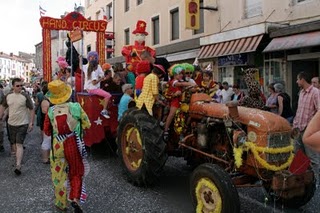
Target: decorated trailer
{"points": [[75, 23]]}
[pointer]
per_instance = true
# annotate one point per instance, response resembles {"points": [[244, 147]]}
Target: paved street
{"points": [[108, 190]]}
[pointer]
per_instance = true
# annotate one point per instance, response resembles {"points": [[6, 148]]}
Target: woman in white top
{"points": [[93, 76]]}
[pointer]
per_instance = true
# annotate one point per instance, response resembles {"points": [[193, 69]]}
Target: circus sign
{"points": [[73, 21]]}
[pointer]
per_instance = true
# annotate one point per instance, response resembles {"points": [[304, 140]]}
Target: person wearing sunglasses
{"points": [[20, 121]]}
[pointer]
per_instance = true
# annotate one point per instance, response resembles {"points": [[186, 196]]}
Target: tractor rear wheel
{"points": [[141, 147], [212, 190]]}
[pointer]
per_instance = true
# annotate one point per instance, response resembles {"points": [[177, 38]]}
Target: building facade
{"points": [[268, 34], [12, 66]]}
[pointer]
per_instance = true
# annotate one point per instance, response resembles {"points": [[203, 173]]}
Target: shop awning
{"points": [[294, 41], [242, 45]]}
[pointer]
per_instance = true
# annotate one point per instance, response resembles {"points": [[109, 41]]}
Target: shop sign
{"points": [[233, 60]]}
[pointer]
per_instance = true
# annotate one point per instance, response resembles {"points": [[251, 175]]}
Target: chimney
{"points": [[11, 54]]}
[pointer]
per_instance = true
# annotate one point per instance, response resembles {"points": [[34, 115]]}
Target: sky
{"points": [[21, 29]]}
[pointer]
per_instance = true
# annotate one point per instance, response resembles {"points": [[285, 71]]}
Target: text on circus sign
{"points": [[61, 24]]}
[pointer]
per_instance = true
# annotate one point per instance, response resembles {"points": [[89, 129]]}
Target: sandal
{"points": [[77, 208]]}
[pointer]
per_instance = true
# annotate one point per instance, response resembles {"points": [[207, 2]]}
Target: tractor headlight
{"points": [[252, 136]]}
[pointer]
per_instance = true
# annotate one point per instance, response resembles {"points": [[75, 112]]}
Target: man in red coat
{"points": [[132, 52]]}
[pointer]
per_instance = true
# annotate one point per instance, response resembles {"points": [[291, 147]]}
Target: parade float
{"points": [[229, 146], [75, 23]]}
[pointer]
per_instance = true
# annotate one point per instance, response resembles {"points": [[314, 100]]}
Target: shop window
{"points": [[174, 24], [273, 72], [155, 30], [252, 8], [201, 30]]}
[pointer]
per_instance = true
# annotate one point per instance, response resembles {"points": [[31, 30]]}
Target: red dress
{"points": [[174, 101]]}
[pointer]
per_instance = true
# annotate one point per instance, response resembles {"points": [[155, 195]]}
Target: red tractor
{"points": [[231, 146]]}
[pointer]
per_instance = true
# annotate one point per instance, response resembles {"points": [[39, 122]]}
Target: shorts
{"points": [[17, 133]]}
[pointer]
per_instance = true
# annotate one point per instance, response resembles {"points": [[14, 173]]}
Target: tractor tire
{"points": [[212, 190], [141, 147], [294, 202]]}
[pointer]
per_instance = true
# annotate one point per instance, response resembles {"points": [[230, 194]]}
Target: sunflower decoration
{"points": [[179, 122]]}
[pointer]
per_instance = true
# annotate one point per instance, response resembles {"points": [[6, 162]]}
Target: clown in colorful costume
{"points": [[150, 89], [68, 154], [132, 52], [143, 68]]}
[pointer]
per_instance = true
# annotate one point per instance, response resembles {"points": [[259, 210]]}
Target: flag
{"points": [[42, 11]]}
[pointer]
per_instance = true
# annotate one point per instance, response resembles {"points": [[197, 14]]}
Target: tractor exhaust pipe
{"points": [[233, 109]]}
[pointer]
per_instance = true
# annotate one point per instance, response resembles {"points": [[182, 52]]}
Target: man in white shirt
{"points": [[226, 93]]}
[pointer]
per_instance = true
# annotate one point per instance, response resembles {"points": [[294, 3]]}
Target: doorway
{"points": [[310, 66]]}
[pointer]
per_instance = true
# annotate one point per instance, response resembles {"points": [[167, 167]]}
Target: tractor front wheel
{"points": [[212, 190]]}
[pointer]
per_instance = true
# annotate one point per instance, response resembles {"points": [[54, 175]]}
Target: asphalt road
{"points": [[108, 190]]}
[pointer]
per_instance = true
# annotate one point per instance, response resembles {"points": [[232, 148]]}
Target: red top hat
{"points": [[140, 27]]}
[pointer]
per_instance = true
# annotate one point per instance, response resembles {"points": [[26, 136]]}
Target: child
{"points": [[70, 80], [61, 74], [150, 90], [127, 90], [143, 68], [209, 86], [93, 76], [174, 94]]}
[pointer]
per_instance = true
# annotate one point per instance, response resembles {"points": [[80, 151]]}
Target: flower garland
{"points": [[179, 121], [207, 183], [256, 150]]}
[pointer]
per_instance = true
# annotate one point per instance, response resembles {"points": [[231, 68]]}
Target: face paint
{"points": [[140, 37]]}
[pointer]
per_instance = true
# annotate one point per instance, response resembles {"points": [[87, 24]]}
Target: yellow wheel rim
{"points": [[208, 197], [131, 146]]}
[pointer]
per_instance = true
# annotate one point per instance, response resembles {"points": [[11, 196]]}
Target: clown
{"points": [[132, 52], [143, 68], [65, 122]]}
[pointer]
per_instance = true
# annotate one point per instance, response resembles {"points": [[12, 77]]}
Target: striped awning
{"points": [[242, 45], [294, 41]]}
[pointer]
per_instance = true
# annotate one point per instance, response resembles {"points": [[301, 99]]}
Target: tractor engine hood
{"points": [[201, 106]]}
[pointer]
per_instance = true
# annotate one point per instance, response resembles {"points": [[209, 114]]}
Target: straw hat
{"points": [[59, 92]]}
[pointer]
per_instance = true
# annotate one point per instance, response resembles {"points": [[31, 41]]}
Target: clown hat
{"points": [[60, 58], [160, 67], [63, 64], [143, 67], [106, 66], [93, 55], [140, 27], [58, 92], [176, 69]]}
